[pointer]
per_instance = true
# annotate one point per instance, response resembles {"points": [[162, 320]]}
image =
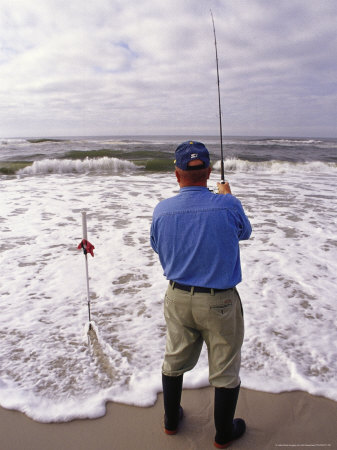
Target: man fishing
{"points": [[196, 235]]}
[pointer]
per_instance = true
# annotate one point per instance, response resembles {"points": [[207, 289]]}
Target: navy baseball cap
{"points": [[189, 151]]}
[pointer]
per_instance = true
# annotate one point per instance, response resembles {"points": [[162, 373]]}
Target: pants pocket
{"points": [[221, 308]]}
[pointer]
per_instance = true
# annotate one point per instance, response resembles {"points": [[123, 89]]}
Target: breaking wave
{"points": [[238, 165], [115, 165], [5, 141], [104, 164]]}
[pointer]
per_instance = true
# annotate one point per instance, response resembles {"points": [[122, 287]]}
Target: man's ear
{"points": [[209, 172], [177, 175]]}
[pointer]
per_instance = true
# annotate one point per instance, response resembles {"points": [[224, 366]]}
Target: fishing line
{"points": [[219, 101]]}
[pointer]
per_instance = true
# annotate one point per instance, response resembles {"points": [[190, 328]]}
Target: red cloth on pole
{"points": [[87, 247]]}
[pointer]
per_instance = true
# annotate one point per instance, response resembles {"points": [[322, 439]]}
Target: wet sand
{"points": [[287, 420]]}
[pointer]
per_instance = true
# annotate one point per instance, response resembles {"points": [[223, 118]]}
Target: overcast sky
{"points": [[117, 67]]}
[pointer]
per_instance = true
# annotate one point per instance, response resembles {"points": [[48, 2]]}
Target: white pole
{"points": [[85, 236], [84, 225]]}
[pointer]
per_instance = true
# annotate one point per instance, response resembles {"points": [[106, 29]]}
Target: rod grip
{"points": [[84, 225]]}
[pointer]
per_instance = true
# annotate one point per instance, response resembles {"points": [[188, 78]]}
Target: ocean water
{"points": [[53, 370]]}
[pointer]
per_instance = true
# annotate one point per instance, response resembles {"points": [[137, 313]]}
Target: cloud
{"points": [[71, 68]]}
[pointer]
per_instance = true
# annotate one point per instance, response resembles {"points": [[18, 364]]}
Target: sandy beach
{"points": [[287, 420]]}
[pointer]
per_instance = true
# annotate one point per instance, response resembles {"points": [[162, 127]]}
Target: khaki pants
{"points": [[193, 318]]}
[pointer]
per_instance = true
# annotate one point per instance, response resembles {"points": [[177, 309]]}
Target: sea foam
{"points": [[49, 371]]}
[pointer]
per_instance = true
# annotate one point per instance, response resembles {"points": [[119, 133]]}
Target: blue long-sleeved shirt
{"points": [[196, 235]]}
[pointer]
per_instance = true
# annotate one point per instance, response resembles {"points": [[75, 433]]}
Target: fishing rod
{"points": [[220, 114]]}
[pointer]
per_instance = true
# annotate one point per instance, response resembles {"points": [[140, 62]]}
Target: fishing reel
{"points": [[215, 189]]}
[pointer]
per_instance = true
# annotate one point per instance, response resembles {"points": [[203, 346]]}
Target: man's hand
{"points": [[224, 188]]}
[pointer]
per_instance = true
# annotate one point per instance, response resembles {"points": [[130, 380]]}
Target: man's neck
{"points": [[202, 184]]}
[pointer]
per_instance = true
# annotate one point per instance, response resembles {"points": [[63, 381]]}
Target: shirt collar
{"points": [[193, 188]]}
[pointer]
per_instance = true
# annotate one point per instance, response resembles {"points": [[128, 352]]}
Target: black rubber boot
{"points": [[172, 387], [227, 429]]}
